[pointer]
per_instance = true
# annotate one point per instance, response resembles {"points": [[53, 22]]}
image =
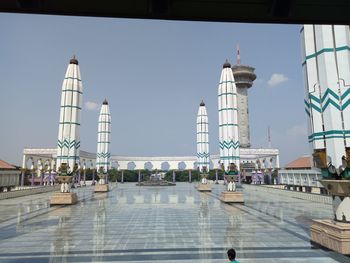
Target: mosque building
{"points": [[233, 125]]}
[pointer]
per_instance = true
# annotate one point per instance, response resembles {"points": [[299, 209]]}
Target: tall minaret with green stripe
{"points": [[203, 159], [68, 131], [228, 119], [103, 138], [326, 66]]}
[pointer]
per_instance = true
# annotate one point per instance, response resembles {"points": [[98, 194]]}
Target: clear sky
{"points": [[154, 75]]}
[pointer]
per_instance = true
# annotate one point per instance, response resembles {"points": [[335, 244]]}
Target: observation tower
{"points": [[244, 77]]}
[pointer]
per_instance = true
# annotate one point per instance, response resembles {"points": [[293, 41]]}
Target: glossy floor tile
{"points": [[161, 224]]}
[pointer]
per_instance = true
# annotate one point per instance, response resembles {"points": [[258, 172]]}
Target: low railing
{"points": [[325, 199], [32, 191]]}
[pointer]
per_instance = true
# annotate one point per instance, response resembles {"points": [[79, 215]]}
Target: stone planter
{"points": [[232, 197], [65, 197], [203, 188], [102, 178], [64, 179], [101, 186], [335, 234], [340, 191]]}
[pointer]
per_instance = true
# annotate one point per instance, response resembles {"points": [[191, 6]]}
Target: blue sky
{"points": [[154, 75]]}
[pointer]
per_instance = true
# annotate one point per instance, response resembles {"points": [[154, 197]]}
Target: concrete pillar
{"points": [[32, 178], [277, 165], [50, 180], [139, 179], [122, 180], [174, 176], [190, 176], [39, 170], [24, 165], [84, 176], [41, 176], [216, 176], [79, 176], [22, 177], [93, 176]]}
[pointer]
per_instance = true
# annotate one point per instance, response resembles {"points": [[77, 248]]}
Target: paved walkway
{"points": [[165, 224]]}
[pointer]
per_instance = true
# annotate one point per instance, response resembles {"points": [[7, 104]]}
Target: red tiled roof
{"points": [[302, 162], [5, 165]]}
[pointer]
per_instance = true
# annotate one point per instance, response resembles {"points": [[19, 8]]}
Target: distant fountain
{"points": [[155, 180]]}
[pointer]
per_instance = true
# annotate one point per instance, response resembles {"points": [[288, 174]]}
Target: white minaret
{"points": [[326, 66], [228, 119], [68, 131], [203, 158], [103, 138]]}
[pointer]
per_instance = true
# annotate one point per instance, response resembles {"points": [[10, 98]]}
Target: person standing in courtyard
{"points": [[231, 254]]}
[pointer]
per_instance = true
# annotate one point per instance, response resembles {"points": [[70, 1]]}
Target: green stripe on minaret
{"points": [[325, 50], [70, 106], [69, 122], [227, 93], [230, 124], [226, 81], [228, 109], [72, 90], [73, 78]]}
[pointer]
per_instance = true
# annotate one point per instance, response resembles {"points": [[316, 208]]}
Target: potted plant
{"points": [[102, 175], [337, 183], [65, 176]]}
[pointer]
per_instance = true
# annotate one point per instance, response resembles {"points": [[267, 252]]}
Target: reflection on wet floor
{"points": [[163, 224]]}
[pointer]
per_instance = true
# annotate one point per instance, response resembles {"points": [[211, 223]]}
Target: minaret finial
{"points": [[105, 102], [238, 55], [202, 103], [226, 64], [74, 60]]}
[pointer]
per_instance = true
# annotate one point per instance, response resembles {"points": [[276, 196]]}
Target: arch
{"points": [[165, 166], [83, 164], [148, 166], [117, 165], [29, 163], [181, 166], [211, 165], [131, 166]]}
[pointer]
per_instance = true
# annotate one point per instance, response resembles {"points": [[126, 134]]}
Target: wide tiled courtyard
{"points": [[161, 224]]}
